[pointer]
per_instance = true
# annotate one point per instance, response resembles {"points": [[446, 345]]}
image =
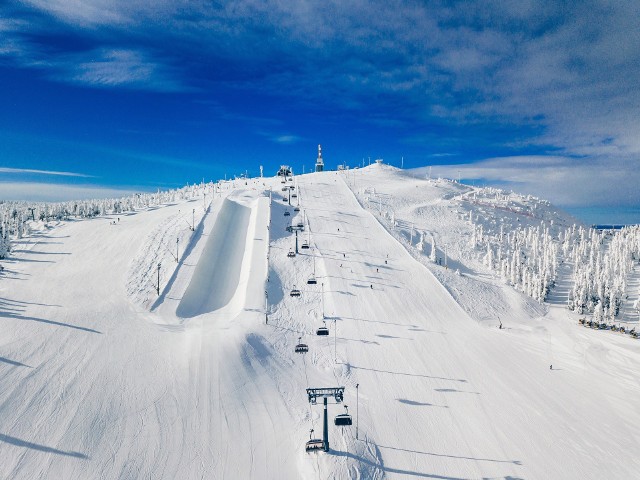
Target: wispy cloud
{"points": [[286, 139], [43, 172], [566, 181], [116, 68], [49, 192]]}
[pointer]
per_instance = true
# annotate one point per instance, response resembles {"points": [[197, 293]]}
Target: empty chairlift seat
{"points": [[322, 331], [295, 292], [296, 209], [286, 213], [344, 419], [312, 281], [305, 245]]}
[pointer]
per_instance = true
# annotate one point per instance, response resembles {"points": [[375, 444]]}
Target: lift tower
{"points": [[325, 393]]}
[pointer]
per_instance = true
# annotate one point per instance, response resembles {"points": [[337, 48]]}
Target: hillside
{"points": [[101, 377]]}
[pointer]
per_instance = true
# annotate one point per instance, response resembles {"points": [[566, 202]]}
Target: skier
{"points": [[371, 287], [344, 255], [550, 367], [377, 271]]}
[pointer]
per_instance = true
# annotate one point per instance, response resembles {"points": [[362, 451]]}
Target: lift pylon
{"points": [[325, 393]]}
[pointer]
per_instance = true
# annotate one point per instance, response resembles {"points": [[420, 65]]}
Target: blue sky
{"points": [[126, 95]]}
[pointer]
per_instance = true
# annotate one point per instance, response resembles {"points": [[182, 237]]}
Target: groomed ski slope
{"points": [[95, 386]]}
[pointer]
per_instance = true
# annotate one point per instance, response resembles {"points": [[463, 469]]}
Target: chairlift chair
{"points": [[296, 209], [286, 213], [295, 292], [301, 347], [323, 331], [304, 245], [294, 195], [344, 419], [313, 443], [312, 281], [291, 254]]}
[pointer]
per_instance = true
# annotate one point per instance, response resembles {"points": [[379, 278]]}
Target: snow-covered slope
{"points": [[100, 380]]}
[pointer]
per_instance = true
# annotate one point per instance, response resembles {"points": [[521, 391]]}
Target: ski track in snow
{"points": [[100, 378]]}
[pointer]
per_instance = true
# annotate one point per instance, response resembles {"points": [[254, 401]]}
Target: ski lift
{"points": [[296, 209], [294, 195], [323, 331], [284, 199], [291, 254], [313, 443], [304, 245], [312, 281], [301, 347], [286, 213], [344, 419], [295, 292]]}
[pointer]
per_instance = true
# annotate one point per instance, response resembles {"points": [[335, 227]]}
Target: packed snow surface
{"points": [[100, 377]]}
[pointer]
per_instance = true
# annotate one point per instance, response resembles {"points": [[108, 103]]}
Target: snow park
{"points": [[364, 323]]}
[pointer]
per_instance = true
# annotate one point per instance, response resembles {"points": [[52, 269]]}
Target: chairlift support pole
{"points": [[325, 428], [335, 335], [357, 407], [297, 242], [158, 287]]}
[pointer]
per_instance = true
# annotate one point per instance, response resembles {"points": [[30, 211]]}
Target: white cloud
{"points": [[286, 139], [565, 181], [54, 192], [116, 68], [43, 172]]}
